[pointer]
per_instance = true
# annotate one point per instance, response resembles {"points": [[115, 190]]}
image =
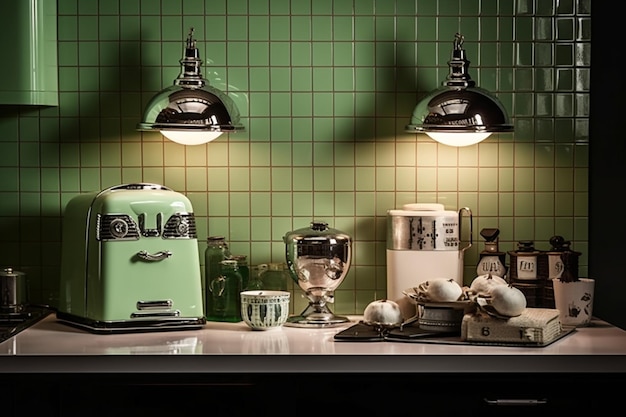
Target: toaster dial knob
{"points": [[118, 228], [182, 226]]}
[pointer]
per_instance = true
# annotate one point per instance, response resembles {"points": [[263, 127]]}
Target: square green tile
{"points": [[524, 179], [302, 129], [322, 54], [237, 54], [302, 80], [90, 179], [321, 28], [301, 55], [237, 28], [239, 206], [344, 204], [218, 206], [240, 230], [343, 28], [544, 204], [364, 28], [365, 205], [260, 179], [487, 205], [281, 179], [365, 179], [259, 28], [302, 204], [217, 179], [323, 204], [564, 204], [175, 178], [238, 179], [447, 179], [259, 81], [468, 179], [280, 104], [406, 28], [260, 205], [300, 28], [280, 79], [405, 179], [343, 54], [280, 53], [130, 175], [344, 179], [302, 154], [281, 132]]}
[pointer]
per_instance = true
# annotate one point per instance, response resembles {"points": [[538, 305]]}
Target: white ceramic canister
{"points": [[423, 242]]}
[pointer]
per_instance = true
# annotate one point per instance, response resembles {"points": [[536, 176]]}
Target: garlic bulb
{"points": [[483, 283], [441, 290], [383, 312], [507, 300]]}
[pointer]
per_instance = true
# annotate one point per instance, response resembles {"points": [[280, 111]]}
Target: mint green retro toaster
{"points": [[130, 261]]}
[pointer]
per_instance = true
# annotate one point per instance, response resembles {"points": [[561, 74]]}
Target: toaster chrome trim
{"points": [[180, 226], [144, 324], [154, 304], [116, 227], [148, 314], [151, 232]]}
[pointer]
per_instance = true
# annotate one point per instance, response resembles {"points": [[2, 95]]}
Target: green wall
{"points": [[325, 89]]}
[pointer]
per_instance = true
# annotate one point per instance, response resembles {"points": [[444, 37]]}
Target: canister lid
{"points": [[318, 231], [423, 210], [9, 272], [423, 206]]}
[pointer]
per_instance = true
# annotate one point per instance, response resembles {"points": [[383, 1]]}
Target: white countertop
{"points": [[51, 344]]}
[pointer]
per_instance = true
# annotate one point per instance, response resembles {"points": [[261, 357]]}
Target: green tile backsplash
{"points": [[325, 89]]}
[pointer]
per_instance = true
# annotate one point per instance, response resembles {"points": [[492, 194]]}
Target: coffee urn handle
{"points": [[471, 233]]}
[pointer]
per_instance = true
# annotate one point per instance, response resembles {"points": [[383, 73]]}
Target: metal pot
{"points": [[13, 290]]}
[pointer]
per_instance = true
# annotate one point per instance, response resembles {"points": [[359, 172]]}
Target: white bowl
{"points": [[265, 309]]}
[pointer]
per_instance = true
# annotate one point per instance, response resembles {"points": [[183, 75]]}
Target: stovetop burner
{"points": [[13, 322]]}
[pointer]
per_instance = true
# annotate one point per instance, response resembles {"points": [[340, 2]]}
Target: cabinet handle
{"points": [[517, 401]]}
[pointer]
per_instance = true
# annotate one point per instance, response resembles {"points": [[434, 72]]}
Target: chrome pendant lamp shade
{"points": [[191, 111], [459, 113]]}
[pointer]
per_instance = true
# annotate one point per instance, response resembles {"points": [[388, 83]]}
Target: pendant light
{"points": [[459, 113], [191, 112]]}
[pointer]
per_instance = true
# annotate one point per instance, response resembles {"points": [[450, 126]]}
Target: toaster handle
{"points": [[159, 256]]}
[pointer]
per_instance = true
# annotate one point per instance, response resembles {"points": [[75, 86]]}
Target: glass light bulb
{"points": [[458, 139], [190, 138]]}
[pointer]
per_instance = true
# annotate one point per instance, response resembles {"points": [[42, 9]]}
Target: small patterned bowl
{"points": [[265, 309]]}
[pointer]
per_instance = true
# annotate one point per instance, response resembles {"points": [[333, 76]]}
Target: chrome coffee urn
{"points": [[318, 259]]}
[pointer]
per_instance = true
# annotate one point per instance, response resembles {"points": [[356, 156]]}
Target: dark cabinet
{"points": [[384, 394]]}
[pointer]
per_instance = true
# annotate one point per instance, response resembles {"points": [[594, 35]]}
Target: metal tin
{"points": [[425, 227], [13, 290]]}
